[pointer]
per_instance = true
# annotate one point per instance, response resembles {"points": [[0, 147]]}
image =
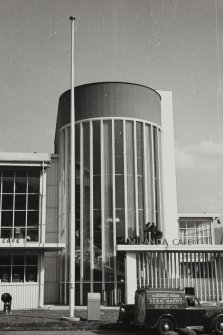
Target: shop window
{"points": [[18, 268], [20, 218], [20, 201], [33, 201], [32, 235], [6, 233], [7, 218], [33, 182], [8, 181], [33, 218], [20, 181], [7, 201], [19, 233]]}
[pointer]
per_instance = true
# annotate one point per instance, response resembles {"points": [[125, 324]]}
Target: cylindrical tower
{"points": [[118, 173]]}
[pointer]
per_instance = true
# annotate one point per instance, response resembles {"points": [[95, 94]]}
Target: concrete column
{"points": [[41, 280], [130, 277], [43, 206], [170, 222]]}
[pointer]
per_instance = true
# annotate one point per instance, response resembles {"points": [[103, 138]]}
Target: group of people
{"points": [[151, 235]]}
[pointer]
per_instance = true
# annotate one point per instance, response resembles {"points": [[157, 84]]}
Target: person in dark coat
{"points": [[7, 300]]}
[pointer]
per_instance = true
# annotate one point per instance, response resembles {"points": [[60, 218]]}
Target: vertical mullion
{"points": [[144, 273], [191, 269], [60, 205], [43, 204], [188, 284], [13, 211], [81, 214], [147, 268], [175, 268], [158, 179], [11, 268], [24, 271], [151, 269], [212, 239], [212, 275], [168, 269], [204, 281], [208, 275], [155, 268], [171, 268], [114, 212], [1, 187], [199, 268], [195, 271], [145, 174], [153, 175], [179, 268], [102, 210], [27, 207], [136, 177], [91, 209], [139, 269], [125, 180], [183, 268], [216, 276], [164, 269], [220, 275]]}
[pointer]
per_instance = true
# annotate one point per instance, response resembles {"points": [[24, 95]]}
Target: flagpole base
{"points": [[70, 318]]}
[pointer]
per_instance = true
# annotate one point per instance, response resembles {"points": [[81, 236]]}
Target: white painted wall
{"points": [[24, 295], [130, 277], [170, 218]]}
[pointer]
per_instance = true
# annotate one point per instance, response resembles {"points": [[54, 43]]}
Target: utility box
{"points": [[93, 308]]}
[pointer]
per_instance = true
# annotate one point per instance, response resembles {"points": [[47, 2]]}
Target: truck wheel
{"points": [[218, 325], [165, 325]]}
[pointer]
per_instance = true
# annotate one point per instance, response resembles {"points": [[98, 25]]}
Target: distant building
{"points": [[198, 228]]}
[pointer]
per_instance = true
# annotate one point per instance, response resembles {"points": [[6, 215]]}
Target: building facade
{"points": [[119, 179], [125, 183], [26, 242]]}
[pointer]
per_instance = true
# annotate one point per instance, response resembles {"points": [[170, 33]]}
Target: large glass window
{"points": [[195, 231], [97, 249], [108, 200], [130, 179], [140, 161], [20, 204], [18, 268], [86, 204], [114, 158], [119, 183]]}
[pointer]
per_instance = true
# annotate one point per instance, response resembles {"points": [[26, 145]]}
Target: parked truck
{"points": [[171, 309]]}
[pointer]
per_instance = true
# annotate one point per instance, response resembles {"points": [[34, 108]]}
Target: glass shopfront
{"points": [[117, 193], [18, 268]]}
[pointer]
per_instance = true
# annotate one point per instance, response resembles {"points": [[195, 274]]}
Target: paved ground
{"points": [[52, 318], [72, 332], [50, 321]]}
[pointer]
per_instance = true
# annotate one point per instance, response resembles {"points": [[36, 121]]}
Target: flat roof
{"points": [[199, 215], [23, 158]]}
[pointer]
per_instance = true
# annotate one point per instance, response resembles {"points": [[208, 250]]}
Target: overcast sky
{"points": [[172, 45]]}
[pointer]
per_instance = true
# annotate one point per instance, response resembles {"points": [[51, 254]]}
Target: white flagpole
{"points": [[72, 179]]}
